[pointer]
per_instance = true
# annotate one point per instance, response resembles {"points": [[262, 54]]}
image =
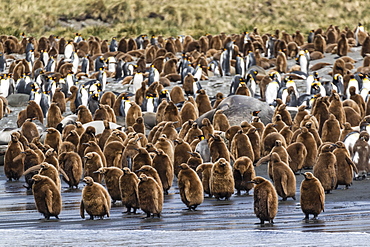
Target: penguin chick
{"points": [[128, 184], [243, 172], [190, 187], [284, 179], [163, 165], [312, 196], [93, 163], [71, 164], [47, 196], [265, 200], [345, 167], [204, 171], [324, 169], [222, 181], [13, 170], [111, 178], [150, 196], [95, 200]]}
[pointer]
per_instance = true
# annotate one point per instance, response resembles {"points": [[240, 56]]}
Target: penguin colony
{"points": [[137, 164]]}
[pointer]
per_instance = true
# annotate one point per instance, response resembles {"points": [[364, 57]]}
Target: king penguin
{"points": [[303, 62]]}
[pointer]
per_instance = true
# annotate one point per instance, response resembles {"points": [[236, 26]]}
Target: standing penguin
{"points": [[181, 154], [330, 130], [220, 121], [324, 168], [95, 200], [111, 178], [312, 196], [47, 196], [190, 187], [218, 149], [93, 163], [361, 152], [342, 46], [303, 62], [345, 167], [150, 196], [284, 179], [128, 184], [13, 170], [222, 181], [265, 200], [53, 138], [164, 167], [297, 153], [309, 142], [243, 172], [142, 158], [71, 163], [241, 146], [204, 171]]}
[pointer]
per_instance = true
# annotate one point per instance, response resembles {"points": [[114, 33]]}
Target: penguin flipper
{"points": [[198, 85], [49, 200], [82, 210], [350, 163], [284, 182], [62, 172], [185, 191]]}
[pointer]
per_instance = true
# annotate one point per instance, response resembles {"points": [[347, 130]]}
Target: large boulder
{"points": [[239, 108]]}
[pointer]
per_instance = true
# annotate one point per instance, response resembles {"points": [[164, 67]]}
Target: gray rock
{"points": [[238, 108], [18, 99]]}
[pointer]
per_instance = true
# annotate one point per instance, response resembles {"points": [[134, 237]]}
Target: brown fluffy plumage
{"points": [[243, 172], [324, 169], [111, 178], [95, 200], [190, 187], [71, 163], [265, 200], [312, 196], [222, 181], [150, 196], [128, 184], [47, 196]]}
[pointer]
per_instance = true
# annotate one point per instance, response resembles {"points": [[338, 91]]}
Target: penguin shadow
{"points": [[186, 211], [71, 190], [150, 219], [116, 204], [244, 194], [220, 202], [42, 220], [312, 223], [265, 226], [15, 186]]}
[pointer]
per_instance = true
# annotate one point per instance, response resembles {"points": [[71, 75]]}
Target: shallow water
{"points": [[179, 238], [346, 220]]}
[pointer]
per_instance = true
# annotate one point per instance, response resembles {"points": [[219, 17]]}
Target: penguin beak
{"points": [[96, 172], [251, 182]]}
